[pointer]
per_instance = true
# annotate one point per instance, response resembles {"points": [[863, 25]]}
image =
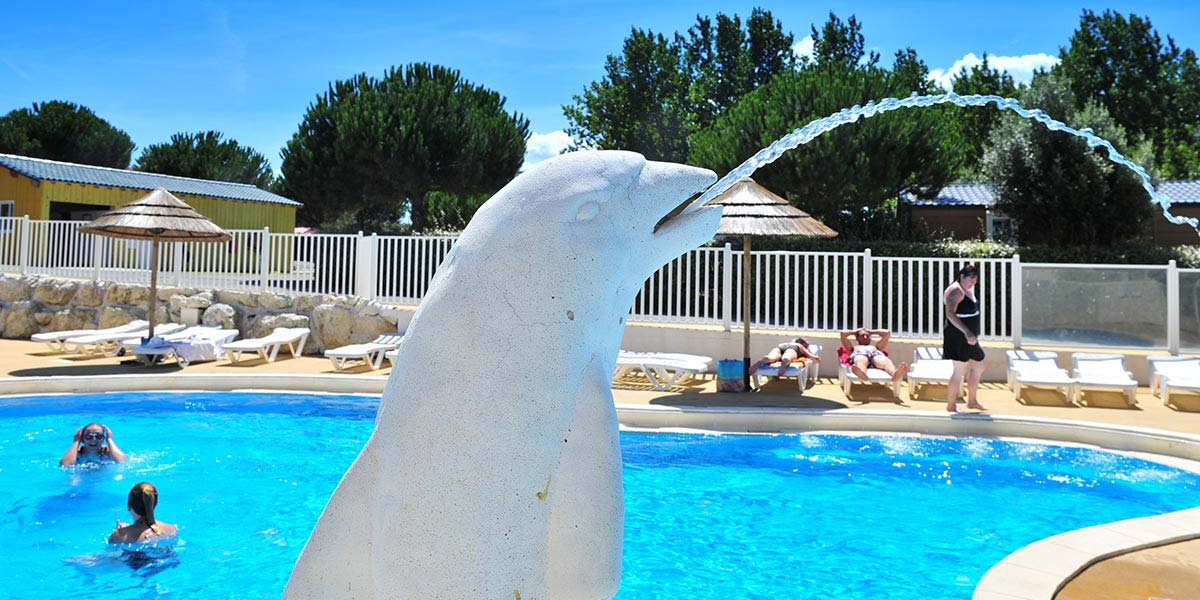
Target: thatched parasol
{"points": [[159, 216], [749, 209]]}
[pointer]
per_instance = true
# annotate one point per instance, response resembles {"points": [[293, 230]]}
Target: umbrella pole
{"points": [[746, 311], [153, 282]]}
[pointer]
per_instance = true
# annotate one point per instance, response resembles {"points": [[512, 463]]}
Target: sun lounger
{"points": [[57, 339], [267, 347], [1105, 372], [847, 378], [111, 343], [928, 367], [1172, 383], [1038, 368], [1175, 367], [804, 372], [194, 344], [370, 353], [662, 369]]}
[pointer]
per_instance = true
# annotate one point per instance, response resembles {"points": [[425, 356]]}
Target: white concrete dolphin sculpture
{"points": [[494, 469]]}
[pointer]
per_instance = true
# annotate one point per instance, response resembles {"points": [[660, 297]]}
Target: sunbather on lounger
{"points": [[869, 355], [786, 354]]}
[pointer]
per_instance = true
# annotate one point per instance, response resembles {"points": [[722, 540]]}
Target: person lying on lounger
{"points": [[786, 354], [869, 355]]}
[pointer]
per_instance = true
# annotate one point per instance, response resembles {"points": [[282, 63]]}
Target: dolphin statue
{"points": [[494, 469]]}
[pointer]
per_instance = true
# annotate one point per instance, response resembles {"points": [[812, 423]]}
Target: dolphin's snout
{"points": [[679, 210]]}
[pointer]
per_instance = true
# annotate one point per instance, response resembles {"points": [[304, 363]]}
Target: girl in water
{"points": [[143, 498]]}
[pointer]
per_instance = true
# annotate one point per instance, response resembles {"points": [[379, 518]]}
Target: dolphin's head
{"points": [[571, 242], [613, 208]]}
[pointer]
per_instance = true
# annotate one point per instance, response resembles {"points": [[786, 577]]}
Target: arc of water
{"points": [[821, 126]]}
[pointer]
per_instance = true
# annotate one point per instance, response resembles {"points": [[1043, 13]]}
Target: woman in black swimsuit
{"points": [[960, 342]]}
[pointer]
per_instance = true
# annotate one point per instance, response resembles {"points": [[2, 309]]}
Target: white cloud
{"points": [[1020, 67], [804, 47], [544, 145]]}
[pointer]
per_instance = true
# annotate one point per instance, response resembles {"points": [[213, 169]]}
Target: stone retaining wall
{"points": [[33, 304]]}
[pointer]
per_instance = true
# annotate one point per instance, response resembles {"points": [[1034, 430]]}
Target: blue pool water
{"points": [[708, 516]]}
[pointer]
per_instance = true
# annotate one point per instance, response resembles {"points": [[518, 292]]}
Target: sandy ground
{"points": [[1169, 572]]}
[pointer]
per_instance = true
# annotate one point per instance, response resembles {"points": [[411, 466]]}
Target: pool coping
{"points": [[1036, 571]]}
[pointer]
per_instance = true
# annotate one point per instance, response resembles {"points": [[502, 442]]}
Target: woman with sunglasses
{"points": [[93, 443]]}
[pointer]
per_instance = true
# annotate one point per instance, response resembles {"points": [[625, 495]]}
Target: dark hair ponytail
{"points": [[969, 270], [142, 500]]}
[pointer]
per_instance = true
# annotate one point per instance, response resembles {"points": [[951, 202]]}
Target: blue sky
{"points": [[249, 69]]}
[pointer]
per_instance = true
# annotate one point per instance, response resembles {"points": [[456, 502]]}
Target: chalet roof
{"points": [[1180, 191], [40, 169]]}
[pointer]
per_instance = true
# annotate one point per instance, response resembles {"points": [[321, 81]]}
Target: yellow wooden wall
{"points": [[23, 190], [228, 214]]}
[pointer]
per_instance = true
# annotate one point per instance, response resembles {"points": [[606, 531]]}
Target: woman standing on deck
{"points": [[960, 341]]}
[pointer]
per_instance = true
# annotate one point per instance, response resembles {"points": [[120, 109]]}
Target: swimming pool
{"points": [[708, 516]]}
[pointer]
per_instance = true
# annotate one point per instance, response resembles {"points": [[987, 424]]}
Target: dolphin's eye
{"points": [[587, 211]]}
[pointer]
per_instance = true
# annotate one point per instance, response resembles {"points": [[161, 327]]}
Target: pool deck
{"points": [[24, 359], [1149, 572]]}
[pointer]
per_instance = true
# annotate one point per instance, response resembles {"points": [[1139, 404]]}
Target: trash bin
{"points": [[730, 375]]}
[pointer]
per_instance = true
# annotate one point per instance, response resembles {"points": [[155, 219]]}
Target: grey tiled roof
{"points": [[957, 194], [49, 170], [1180, 191]]}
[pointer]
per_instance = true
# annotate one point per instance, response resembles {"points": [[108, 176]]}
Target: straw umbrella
{"points": [[157, 217], [749, 209]]}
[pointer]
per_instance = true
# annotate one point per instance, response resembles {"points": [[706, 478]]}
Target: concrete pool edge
{"points": [[1042, 569], [209, 382]]}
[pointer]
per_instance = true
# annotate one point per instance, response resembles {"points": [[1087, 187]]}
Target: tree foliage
{"points": [[659, 90], [1056, 188], [379, 146], [842, 44], [1149, 86], [727, 61], [976, 122], [207, 155], [640, 103], [64, 131], [843, 176]]}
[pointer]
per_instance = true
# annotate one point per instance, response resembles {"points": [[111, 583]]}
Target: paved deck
{"points": [[1148, 572], [28, 359]]}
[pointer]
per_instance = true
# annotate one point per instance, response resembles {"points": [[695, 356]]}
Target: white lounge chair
{"points": [[1104, 372], [1169, 384], [1176, 367], [194, 344], [1038, 368], [370, 353], [662, 369], [111, 343], [847, 378], [57, 339], [802, 371], [267, 347], [928, 367]]}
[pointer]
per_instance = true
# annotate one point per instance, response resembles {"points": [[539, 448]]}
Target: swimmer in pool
{"points": [[143, 498], [93, 443]]}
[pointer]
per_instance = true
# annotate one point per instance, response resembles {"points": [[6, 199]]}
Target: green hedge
{"points": [[1185, 256]]}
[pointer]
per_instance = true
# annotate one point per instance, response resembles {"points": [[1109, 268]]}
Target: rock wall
{"points": [[33, 304]]}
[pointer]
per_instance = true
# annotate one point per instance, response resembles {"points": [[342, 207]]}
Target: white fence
{"points": [[1151, 306]]}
